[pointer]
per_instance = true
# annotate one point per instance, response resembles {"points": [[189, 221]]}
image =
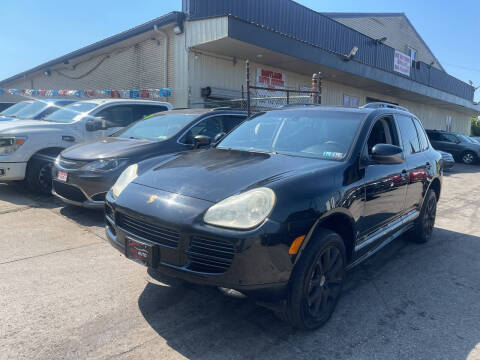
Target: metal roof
{"points": [[400, 14], [172, 17]]}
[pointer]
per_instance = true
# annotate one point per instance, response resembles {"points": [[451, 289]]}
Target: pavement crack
{"points": [[50, 253]]}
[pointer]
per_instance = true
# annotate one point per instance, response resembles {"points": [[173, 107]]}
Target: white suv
{"points": [[28, 148]]}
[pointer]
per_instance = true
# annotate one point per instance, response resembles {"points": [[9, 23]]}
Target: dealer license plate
{"points": [[142, 253], [62, 176]]}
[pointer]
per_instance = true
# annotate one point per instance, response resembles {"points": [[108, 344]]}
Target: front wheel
{"points": [[469, 157], [317, 280], [39, 176]]}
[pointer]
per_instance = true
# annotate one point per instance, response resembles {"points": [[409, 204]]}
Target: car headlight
{"points": [[105, 165], [10, 144], [124, 179], [243, 211]]}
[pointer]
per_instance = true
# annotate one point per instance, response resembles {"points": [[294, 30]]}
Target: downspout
{"points": [[166, 39]]}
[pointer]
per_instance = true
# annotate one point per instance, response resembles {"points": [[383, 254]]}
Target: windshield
{"points": [[14, 109], [157, 128], [70, 112], [32, 110], [320, 134]]}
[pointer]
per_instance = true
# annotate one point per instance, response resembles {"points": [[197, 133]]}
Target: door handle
{"points": [[404, 174], [428, 166]]}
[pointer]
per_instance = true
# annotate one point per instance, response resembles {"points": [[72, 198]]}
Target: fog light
{"points": [[232, 293]]}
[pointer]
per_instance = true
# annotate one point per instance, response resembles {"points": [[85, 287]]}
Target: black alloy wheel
{"points": [[425, 223], [39, 176], [325, 285], [429, 217], [316, 282]]}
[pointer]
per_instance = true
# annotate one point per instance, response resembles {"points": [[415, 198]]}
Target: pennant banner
{"points": [[89, 93]]}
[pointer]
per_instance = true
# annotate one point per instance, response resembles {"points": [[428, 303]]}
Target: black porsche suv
{"points": [[283, 205]]}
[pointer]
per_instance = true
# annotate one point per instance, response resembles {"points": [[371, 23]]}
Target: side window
{"points": [[46, 112], [209, 127], [117, 116], [231, 121], [409, 134], [449, 138], [144, 110], [434, 136], [383, 132], [421, 135]]}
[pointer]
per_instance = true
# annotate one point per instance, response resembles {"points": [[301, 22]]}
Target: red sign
{"points": [[270, 79], [402, 63]]}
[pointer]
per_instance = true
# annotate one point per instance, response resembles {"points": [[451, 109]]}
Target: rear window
{"points": [[319, 134]]}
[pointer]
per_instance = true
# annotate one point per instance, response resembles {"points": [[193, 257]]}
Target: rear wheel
{"points": [[468, 157], [423, 229], [39, 176], [317, 280]]}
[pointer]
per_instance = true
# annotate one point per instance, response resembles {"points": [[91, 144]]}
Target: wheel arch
{"points": [[338, 221], [48, 153], [436, 186]]}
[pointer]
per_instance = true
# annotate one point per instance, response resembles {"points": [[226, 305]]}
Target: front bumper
{"points": [[254, 262], [12, 171], [83, 188]]}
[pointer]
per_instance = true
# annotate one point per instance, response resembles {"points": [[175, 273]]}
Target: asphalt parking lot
{"points": [[66, 294]]}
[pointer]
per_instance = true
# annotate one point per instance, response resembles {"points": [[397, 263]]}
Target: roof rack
{"points": [[377, 105]]}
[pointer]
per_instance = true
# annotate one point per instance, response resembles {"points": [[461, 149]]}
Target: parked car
{"points": [[283, 205], [28, 148], [84, 173], [38, 109], [460, 146], [5, 105], [448, 160]]}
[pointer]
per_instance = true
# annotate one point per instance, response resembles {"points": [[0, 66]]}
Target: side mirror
{"points": [[96, 124], [219, 137], [387, 154], [201, 140]]}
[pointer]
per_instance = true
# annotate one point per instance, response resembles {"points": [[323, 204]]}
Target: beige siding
{"points": [[206, 30], [134, 63], [398, 31], [209, 70]]}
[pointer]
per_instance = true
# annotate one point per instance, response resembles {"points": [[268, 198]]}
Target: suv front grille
{"points": [[148, 231], [210, 255], [71, 164], [69, 192]]}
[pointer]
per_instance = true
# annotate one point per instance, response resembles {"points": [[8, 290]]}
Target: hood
{"points": [[109, 147], [17, 125], [215, 174]]}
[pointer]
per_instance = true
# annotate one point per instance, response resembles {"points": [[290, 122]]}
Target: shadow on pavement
{"points": [[460, 168], [407, 301]]}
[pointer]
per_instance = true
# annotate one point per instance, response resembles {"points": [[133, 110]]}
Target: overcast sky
{"points": [[34, 32]]}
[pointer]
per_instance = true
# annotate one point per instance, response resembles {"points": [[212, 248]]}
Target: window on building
{"points": [[413, 54], [350, 101], [448, 124]]}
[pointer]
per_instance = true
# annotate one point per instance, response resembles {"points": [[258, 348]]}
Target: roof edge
{"points": [[171, 17]]}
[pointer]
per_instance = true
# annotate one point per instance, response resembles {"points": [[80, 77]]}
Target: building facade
{"points": [[206, 45]]}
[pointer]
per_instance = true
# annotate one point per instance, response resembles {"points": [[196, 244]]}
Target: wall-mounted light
{"points": [[383, 39], [47, 73], [177, 30], [351, 55]]}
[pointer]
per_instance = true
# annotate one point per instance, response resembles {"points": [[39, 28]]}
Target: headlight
{"points": [[105, 164], [124, 179], [10, 144], [243, 211]]}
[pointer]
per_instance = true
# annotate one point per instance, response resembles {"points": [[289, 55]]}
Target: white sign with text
{"points": [[402, 63]]}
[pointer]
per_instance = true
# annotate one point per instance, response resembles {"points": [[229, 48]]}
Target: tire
{"points": [[314, 292], [39, 176], [468, 157], [423, 229]]}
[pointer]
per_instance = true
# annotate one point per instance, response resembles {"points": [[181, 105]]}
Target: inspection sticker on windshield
{"points": [[62, 176], [332, 155]]}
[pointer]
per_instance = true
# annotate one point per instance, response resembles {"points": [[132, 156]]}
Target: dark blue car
{"points": [[33, 109]]}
